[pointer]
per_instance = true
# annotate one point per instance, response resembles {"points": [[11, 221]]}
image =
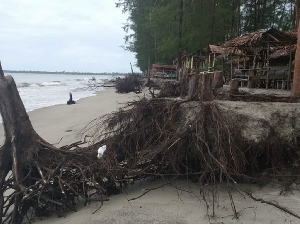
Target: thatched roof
{"points": [[221, 51], [216, 49], [283, 51], [273, 36]]}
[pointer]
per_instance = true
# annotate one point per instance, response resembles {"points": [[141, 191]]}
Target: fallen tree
{"points": [[207, 142]]}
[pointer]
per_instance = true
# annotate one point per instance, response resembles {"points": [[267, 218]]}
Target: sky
{"points": [[63, 35]]}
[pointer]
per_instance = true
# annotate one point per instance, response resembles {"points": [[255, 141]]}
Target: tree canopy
{"points": [[157, 33]]}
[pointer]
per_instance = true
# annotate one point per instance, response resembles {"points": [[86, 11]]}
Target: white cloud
{"points": [[56, 35]]}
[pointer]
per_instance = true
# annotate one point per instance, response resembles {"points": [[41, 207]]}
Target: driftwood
{"points": [[71, 101]]}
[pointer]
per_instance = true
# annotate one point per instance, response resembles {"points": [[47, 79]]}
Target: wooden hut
{"points": [[195, 61], [163, 71], [258, 47], [213, 51], [231, 55]]}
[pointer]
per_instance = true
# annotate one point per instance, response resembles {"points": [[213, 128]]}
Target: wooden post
{"points": [[231, 68], [208, 69], [205, 86], [289, 78], [296, 77], [267, 60], [218, 80]]}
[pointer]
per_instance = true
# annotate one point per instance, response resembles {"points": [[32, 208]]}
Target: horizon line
{"points": [[68, 72]]}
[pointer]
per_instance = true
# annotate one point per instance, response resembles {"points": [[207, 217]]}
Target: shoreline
{"points": [[63, 121]]}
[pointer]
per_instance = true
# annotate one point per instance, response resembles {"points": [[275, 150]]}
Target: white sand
{"points": [[184, 205], [163, 205]]}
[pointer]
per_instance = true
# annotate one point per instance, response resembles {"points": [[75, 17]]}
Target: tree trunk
{"points": [[193, 93], [218, 80], [296, 79], [297, 13], [179, 49], [20, 144], [205, 86]]}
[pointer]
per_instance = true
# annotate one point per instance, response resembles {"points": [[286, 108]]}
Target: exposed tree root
{"points": [[157, 137]]}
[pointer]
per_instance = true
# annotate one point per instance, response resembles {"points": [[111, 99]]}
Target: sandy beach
{"points": [[178, 202], [60, 124]]}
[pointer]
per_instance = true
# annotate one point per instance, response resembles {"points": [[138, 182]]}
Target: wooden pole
{"points": [[267, 61], [296, 79], [289, 78], [231, 67]]}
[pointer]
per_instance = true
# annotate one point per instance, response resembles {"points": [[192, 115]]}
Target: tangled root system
{"points": [[166, 137], [147, 138]]}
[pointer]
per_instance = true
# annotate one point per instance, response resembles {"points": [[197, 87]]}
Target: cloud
{"points": [[70, 35]]}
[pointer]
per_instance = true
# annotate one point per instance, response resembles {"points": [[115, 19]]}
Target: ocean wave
{"points": [[24, 85], [43, 84], [52, 83]]}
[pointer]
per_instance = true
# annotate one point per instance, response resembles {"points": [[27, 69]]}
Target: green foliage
{"points": [[156, 32]]}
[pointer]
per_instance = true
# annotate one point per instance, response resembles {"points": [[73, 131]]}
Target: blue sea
{"points": [[42, 90]]}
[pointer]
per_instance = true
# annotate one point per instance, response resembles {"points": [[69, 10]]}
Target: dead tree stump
{"points": [[193, 92], [20, 146], [205, 87], [234, 86], [37, 174], [218, 80]]}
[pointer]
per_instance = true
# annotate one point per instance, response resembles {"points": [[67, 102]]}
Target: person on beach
{"points": [[70, 102]]}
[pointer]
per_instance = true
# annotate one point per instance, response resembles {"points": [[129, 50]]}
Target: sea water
{"points": [[41, 90]]}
